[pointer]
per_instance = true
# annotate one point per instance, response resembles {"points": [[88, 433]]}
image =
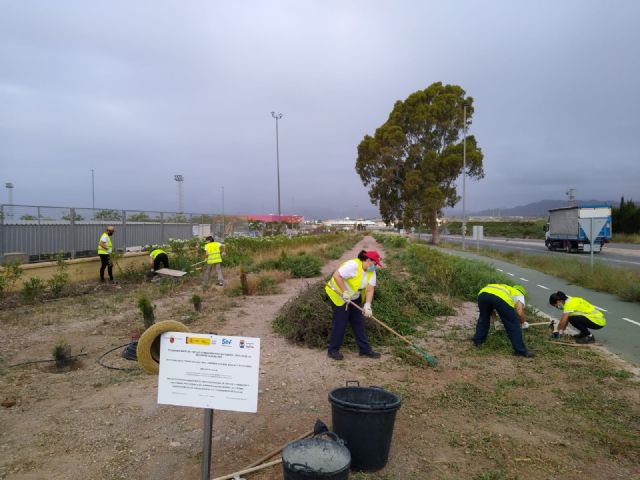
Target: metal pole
{"points": [[464, 178], [39, 234], [222, 213], [161, 229], [591, 239], [72, 216], [206, 444], [93, 192], [124, 230], [277, 116]]}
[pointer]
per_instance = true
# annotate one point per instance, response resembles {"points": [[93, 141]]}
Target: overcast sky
{"points": [[142, 90]]}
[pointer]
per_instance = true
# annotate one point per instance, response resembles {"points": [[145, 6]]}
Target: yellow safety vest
{"points": [[353, 284], [109, 249], [576, 306], [213, 253], [505, 292], [156, 252]]}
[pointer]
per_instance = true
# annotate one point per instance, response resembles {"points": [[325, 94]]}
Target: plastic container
{"points": [[364, 418], [316, 458]]}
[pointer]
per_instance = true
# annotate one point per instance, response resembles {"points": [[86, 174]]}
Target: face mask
{"points": [[372, 268], [559, 307], [109, 233]]}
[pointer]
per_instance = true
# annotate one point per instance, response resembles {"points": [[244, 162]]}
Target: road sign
{"points": [[592, 227]]}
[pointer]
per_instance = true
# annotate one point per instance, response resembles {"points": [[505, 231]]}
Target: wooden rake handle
{"points": [[380, 322]]}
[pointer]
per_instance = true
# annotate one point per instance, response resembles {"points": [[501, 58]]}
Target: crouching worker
{"points": [[159, 259], [508, 301], [355, 281], [580, 314]]}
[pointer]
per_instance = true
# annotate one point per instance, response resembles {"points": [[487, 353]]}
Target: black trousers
{"points": [[583, 324], [161, 261], [105, 263]]}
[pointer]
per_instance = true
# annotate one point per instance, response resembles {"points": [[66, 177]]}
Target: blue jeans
{"points": [[340, 319], [487, 303]]}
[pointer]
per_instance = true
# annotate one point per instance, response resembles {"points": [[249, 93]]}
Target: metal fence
{"points": [[41, 232]]}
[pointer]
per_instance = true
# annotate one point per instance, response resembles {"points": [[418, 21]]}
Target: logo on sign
{"points": [[226, 341], [171, 339], [242, 343]]}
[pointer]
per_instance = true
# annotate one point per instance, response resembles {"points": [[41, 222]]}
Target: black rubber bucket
{"points": [[316, 458], [364, 418]]}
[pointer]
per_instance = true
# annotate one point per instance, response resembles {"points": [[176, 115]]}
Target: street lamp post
{"points": [[93, 192], [9, 187], [222, 212], [277, 116], [180, 180], [464, 178]]}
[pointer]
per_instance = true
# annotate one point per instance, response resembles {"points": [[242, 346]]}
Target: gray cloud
{"points": [[142, 90]]}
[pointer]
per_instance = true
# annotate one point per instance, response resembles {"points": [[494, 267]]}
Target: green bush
{"points": [[60, 279], [300, 266], [267, 285], [33, 288], [10, 274], [146, 308]]}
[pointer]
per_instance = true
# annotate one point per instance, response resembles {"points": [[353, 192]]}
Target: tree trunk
{"points": [[435, 232]]}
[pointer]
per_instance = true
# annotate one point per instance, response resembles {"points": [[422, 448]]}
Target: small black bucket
{"points": [[364, 418], [316, 458]]}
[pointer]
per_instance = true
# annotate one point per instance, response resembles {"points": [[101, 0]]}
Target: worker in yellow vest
{"points": [[159, 258], [508, 301], [213, 253], [105, 248], [355, 281], [580, 314]]}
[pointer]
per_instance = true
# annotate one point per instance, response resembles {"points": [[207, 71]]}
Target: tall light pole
{"points": [[464, 178], [180, 180], [9, 187], [93, 192], [222, 212], [277, 116]]}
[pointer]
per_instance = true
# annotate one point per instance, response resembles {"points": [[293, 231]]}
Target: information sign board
{"points": [[209, 371]]}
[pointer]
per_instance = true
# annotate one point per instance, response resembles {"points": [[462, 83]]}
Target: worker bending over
{"points": [[354, 281], [159, 259], [508, 301], [580, 314], [213, 254]]}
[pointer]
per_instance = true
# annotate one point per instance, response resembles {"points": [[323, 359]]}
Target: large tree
{"points": [[412, 162]]}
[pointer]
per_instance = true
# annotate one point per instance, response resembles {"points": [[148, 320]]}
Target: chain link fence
{"points": [[42, 232]]}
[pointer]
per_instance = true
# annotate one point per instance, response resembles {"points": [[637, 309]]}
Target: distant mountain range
{"points": [[531, 210]]}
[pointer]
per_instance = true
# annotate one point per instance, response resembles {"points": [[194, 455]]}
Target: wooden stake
{"points": [[248, 470]]}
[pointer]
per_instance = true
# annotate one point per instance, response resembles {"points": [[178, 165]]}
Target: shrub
{"points": [[62, 354], [146, 307], [197, 302], [33, 288], [60, 278], [10, 274], [302, 266], [267, 285]]}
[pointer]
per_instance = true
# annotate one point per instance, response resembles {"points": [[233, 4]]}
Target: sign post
{"points": [[210, 372]]}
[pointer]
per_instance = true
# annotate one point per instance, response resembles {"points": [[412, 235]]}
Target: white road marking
{"points": [[524, 279], [499, 269], [601, 309], [631, 321], [510, 274], [542, 286]]}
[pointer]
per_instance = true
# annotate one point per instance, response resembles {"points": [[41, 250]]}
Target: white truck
{"points": [[568, 228]]}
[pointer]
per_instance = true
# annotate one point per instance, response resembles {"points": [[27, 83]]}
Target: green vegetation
{"points": [[9, 275], [146, 308], [60, 279], [61, 353], [623, 282], [412, 161], [508, 229], [33, 288], [196, 300], [626, 217]]}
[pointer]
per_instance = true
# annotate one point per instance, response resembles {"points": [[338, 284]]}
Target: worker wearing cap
{"points": [[213, 254], [159, 258], [580, 314], [508, 301], [105, 248], [354, 281]]}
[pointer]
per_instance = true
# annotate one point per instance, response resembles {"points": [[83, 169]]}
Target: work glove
{"points": [[555, 335], [524, 325], [367, 312], [346, 295]]}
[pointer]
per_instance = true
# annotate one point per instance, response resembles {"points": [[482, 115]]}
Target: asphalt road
{"points": [[622, 333], [615, 255]]}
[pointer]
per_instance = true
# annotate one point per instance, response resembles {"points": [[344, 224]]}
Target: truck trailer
{"points": [[564, 233]]}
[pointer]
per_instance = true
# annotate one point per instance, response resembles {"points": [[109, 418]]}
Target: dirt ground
{"points": [[99, 423]]}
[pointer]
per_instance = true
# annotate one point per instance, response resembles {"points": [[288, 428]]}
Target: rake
{"points": [[433, 361]]}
